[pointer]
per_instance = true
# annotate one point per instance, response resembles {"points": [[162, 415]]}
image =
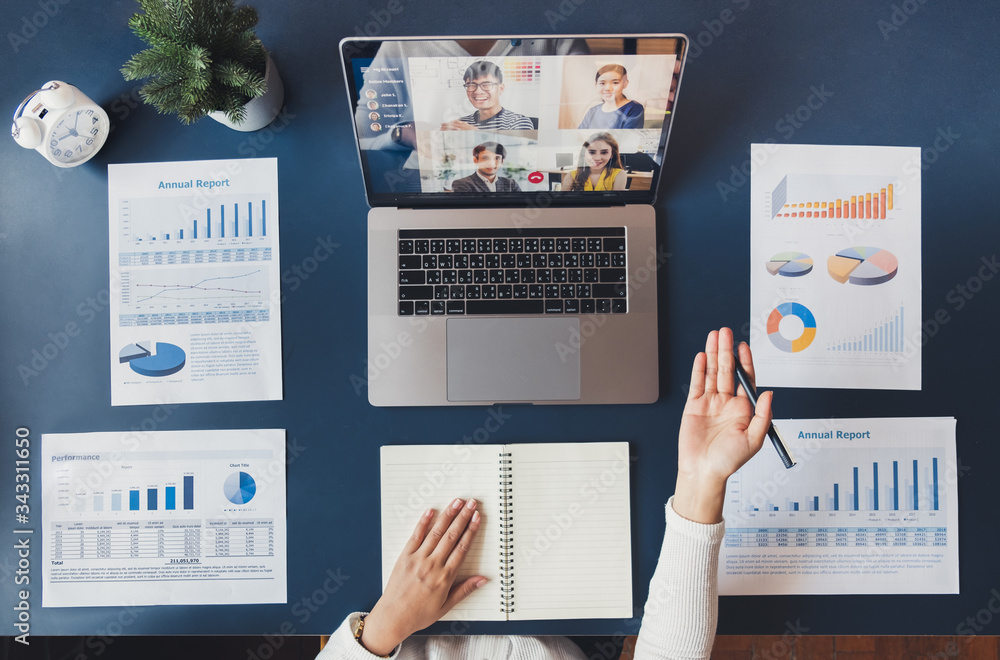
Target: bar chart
{"points": [[837, 230], [870, 507], [883, 336], [151, 517], [847, 471], [156, 484], [194, 259], [823, 197], [888, 485], [171, 495], [157, 492], [148, 222]]}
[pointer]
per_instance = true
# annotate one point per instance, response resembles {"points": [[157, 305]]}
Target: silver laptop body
{"points": [[497, 272]]}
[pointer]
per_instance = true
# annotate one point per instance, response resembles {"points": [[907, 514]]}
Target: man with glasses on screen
{"points": [[483, 87]]}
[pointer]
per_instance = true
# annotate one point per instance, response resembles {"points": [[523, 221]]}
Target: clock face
{"points": [[77, 136]]}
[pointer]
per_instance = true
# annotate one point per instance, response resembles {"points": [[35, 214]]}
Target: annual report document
{"points": [[871, 507], [163, 518], [195, 293], [835, 266]]}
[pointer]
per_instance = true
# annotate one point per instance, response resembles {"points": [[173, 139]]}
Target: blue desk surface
{"points": [[891, 73]]}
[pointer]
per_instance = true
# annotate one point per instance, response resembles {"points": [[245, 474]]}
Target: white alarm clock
{"points": [[61, 123]]}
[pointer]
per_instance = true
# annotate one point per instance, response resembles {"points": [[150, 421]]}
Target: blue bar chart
{"points": [[174, 523], [921, 492], [146, 223], [884, 337], [147, 497], [164, 483], [870, 507], [194, 253], [844, 470]]}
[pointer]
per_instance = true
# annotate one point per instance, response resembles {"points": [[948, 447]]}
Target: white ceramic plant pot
{"points": [[262, 110]]}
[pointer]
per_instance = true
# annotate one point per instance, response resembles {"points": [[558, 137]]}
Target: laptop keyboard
{"points": [[512, 271]]}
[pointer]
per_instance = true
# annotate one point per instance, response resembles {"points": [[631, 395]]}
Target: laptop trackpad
{"points": [[514, 359]]}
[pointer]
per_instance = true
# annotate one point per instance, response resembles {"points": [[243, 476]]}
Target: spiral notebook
{"points": [[555, 541]]}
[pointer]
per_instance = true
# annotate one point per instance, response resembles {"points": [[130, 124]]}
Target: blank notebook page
{"points": [[572, 538], [417, 477]]}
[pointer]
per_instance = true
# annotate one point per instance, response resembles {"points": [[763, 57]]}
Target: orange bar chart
{"points": [[864, 206]]}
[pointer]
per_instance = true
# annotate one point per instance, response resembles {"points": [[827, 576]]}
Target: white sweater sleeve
{"points": [[683, 605], [343, 646]]}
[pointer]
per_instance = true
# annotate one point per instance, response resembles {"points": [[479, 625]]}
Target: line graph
{"points": [[192, 289], [162, 291]]}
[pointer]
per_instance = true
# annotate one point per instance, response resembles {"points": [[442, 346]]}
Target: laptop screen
{"points": [[516, 120]]}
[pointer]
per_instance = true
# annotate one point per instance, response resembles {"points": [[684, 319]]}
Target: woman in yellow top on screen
{"points": [[600, 166], [614, 111]]}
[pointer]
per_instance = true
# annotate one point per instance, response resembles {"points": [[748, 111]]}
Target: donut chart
{"points": [[863, 265], [790, 264], [801, 342]]}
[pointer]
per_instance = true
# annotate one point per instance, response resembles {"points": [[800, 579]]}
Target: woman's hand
{"points": [[421, 588], [720, 430]]}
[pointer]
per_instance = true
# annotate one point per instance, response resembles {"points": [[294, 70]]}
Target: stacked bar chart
{"points": [[884, 337], [856, 198]]}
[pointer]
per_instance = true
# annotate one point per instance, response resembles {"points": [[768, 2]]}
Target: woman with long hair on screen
{"points": [[600, 166]]}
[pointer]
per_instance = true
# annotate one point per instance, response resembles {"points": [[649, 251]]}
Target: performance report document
{"points": [[195, 293], [163, 518], [835, 272], [871, 507]]}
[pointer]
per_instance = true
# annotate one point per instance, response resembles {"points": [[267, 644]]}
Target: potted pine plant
{"points": [[205, 59]]}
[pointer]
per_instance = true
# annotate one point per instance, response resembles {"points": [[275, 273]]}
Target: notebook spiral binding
{"points": [[506, 535]]}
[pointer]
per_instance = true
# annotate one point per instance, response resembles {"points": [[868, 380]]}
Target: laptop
{"points": [[512, 257]]}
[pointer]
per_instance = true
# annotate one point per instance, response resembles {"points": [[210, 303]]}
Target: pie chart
{"points": [[790, 264], [864, 266], [239, 488], [165, 360], [791, 319]]}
